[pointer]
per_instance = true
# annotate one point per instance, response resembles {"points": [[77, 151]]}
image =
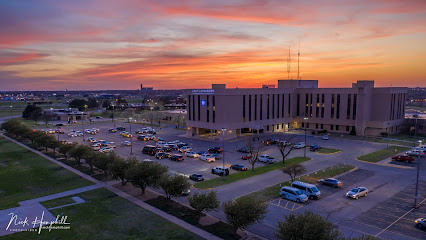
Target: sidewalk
{"points": [[136, 201]]}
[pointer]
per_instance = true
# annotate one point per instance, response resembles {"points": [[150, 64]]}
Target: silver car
{"points": [[421, 222], [357, 192]]}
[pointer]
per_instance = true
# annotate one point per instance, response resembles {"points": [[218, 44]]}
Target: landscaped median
{"points": [[328, 151], [249, 173], [272, 192], [382, 154]]}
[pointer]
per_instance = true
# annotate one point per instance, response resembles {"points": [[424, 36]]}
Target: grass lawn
{"points": [[105, 215], [58, 202], [220, 229], [382, 154], [249, 173], [313, 178], [328, 150], [25, 175], [4, 112]]}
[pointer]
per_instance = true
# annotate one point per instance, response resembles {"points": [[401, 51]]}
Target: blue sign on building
{"points": [[203, 102]]}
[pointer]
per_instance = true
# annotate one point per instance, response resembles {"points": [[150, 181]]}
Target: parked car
{"points": [[126, 143], [413, 153], [98, 117], [216, 156], [166, 148], [112, 130], [215, 150], [421, 222], [120, 128], [308, 189], [220, 171], [285, 143], [96, 147], [202, 152], [61, 131], [106, 149], [90, 139], [239, 167], [128, 135], [403, 158], [147, 160], [142, 138], [78, 133], [246, 156], [325, 137], [185, 149], [59, 124], [293, 194], [331, 182], [158, 139], [266, 159], [314, 148], [243, 150], [185, 193], [177, 158], [269, 141], [300, 145], [192, 154], [197, 177], [149, 149], [357, 192], [161, 155], [207, 158]]}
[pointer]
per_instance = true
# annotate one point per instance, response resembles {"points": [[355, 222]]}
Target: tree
{"points": [[294, 170], [29, 110], [49, 116], [65, 148], [204, 201], [92, 103], [121, 101], [78, 103], [255, 149], [78, 151], [119, 167], [243, 212], [42, 140], [307, 225], [106, 104], [36, 114], [102, 161], [174, 185], [90, 157], [146, 174], [149, 116], [128, 113], [52, 143], [284, 147], [158, 116]]}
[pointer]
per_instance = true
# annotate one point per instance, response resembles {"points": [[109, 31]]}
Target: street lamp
{"points": [[11, 110], [131, 137], [113, 114], [418, 171], [223, 153], [304, 153], [82, 124]]}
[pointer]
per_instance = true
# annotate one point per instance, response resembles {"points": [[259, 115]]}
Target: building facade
{"points": [[362, 109]]}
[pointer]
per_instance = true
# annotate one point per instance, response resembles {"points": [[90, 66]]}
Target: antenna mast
{"points": [[288, 63], [298, 57]]}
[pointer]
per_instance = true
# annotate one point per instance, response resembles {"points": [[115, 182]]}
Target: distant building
{"points": [[69, 114], [146, 88], [362, 109]]}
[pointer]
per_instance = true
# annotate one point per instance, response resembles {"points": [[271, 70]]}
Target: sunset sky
{"points": [[119, 44]]}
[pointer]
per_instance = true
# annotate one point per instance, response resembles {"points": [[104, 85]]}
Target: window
{"points": [[208, 109], [322, 126], [255, 107], [347, 128], [317, 109], [331, 127], [307, 125], [338, 107], [354, 108], [310, 106], [298, 105], [244, 108], [303, 125], [337, 127], [316, 125], [249, 107], [261, 107], [322, 106], [273, 105], [332, 105], [199, 105], [282, 107], [278, 106], [214, 109], [348, 109], [267, 110], [189, 107], [193, 107], [288, 107]]}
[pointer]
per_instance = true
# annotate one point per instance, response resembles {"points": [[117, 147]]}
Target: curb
{"points": [[329, 153], [386, 165]]}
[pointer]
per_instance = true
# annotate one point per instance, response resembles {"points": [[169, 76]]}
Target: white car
{"points": [[78, 133], [185, 149], [126, 143], [106, 149], [87, 131], [72, 134], [325, 137], [96, 147], [421, 222], [266, 159], [207, 158], [284, 143], [192, 154], [160, 144], [147, 160], [300, 145]]}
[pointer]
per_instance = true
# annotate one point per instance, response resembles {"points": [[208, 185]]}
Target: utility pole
{"points": [[416, 206], [223, 153], [304, 154]]}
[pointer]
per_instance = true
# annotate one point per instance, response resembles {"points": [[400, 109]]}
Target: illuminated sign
{"points": [[203, 91], [203, 102]]}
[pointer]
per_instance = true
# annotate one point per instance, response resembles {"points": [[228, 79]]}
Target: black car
{"points": [[314, 148], [331, 182], [243, 150], [112, 130], [162, 155], [149, 149], [239, 167], [59, 125], [197, 177], [142, 138], [215, 150], [159, 150], [181, 145], [120, 128], [269, 141], [152, 132], [59, 131], [167, 149], [176, 157]]}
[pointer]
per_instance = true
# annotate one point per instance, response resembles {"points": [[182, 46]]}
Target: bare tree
{"points": [[158, 116], [255, 149], [284, 145], [294, 170], [128, 113]]}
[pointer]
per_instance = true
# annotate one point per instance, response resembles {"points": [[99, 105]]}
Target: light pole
{"points": [[11, 110], [131, 137], [417, 179], [304, 153], [113, 114], [82, 124], [223, 153]]}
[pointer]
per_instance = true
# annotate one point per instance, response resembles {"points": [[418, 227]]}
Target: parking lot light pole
{"points": [[82, 124], [304, 154], [113, 114], [131, 137], [223, 153], [417, 179]]}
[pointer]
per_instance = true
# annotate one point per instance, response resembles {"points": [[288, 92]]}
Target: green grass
{"points": [[7, 112], [58, 202], [382, 154], [220, 229], [399, 139], [246, 174], [272, 192], [25, 175], [105, 215], [328, 150]]}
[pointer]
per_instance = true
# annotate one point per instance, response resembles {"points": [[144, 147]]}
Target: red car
{"points": [[246, 157], [403, 158]]}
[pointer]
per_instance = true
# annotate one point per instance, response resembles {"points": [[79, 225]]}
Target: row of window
{"points": [[191, 108], [334, 107], [281, 104], [332, 127], [397, 102]]}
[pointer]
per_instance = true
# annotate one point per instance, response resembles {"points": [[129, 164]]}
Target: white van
{"points": [[310, 190], [293, 194]]}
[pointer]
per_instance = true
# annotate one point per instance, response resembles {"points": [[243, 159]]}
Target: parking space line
{"points": [[286, 205]]}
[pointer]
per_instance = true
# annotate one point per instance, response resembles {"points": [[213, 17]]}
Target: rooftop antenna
{"points": [[288, 63], [298, 57]]}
